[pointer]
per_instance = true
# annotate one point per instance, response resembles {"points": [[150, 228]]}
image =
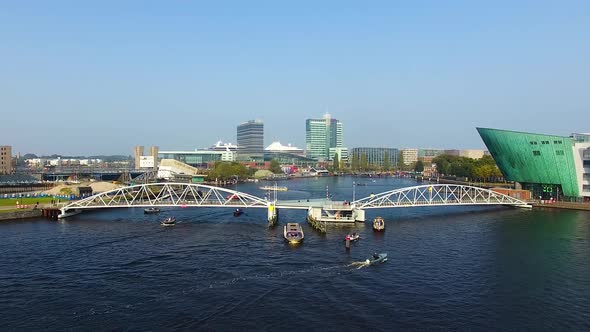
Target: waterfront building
{"points": [[144, 162], [376, 156], [287, 154], [427, 155], [196, 158], [321, 135], [342, 154], [473, 154], [279, 148], [5, 159], [250, 136], [456, 153], [137, 153], [409, 156], [230, 151], [547, 165]]}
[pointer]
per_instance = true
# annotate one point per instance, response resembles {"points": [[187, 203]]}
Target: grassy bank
{"points": [[26, 201]]}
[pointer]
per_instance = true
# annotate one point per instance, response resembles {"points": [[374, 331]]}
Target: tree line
{"points": [[483, 169]]}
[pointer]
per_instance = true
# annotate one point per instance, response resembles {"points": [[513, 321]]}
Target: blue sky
{"points": [[98, 78]]}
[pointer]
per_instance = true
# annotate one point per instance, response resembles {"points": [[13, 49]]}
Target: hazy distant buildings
{"points": [[321, 135], [473, 154], [277, 147], [426, 155], [196, 158], [376, 156], [145, 162], [409, 156], [287, 154], [5, 159], [341, 152], [453, 152], [229, 151], [250, 136]]}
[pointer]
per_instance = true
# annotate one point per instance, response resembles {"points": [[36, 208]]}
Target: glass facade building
{"points": [[250, 136], [547, 165], [197, 158], [376, 156], [321, 135]]}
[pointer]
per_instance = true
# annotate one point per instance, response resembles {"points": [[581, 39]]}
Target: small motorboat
{"points": [[170, 221], [293, 233], [238, 212], [151, 210], [379, 224], [377, 258], [352, 237]]}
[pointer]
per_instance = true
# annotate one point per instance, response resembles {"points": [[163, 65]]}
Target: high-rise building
{"points": [[5, 159], [142, 161], [250, 136], [321, 135], [376, 156], [137, 153]]}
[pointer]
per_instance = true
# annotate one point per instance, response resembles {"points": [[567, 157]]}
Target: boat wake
{"points": [[326, 271], [359, 265]]}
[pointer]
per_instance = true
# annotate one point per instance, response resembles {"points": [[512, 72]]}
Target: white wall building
{"points": [[410, 156], [473, 154]]}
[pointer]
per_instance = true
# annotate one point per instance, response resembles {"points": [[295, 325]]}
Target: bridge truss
{"points": [[168, 194], [436, 195]]}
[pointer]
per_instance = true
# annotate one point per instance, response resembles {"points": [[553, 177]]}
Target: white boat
{"points": [[293, 233], [378, 224], [170, 221], [151, 210], [273, 188], [352, 237], [69, 213]]}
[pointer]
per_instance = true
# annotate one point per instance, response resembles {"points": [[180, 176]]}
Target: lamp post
{"points": [[353, 190]]}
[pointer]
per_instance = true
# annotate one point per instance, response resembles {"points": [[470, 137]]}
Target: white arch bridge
{"points": [[199, 195]]}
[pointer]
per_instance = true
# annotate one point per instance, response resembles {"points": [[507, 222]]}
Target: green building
{"points": [[549, 166]]}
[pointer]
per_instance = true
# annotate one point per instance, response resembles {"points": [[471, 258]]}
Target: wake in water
{"points": [[359, 265]]}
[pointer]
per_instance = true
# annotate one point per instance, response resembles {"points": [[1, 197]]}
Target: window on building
{"points": [[586, 163], [559, 152], [536, 153], [586, 187]]}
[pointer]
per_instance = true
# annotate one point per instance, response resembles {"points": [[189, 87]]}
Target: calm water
{"points": [[455, 267]]}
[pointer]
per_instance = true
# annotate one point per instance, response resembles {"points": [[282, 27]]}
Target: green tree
{"points": [[400, 161], [336, 163], [386, 161], [354, 162], [419, 167], [364, 162], [275, 167], [224, 171]]}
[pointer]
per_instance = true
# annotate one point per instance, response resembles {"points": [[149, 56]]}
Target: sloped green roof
{"points": [[533, 158]]}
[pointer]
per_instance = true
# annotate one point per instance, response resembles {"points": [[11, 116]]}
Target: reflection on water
{"points": [[450, 267]]}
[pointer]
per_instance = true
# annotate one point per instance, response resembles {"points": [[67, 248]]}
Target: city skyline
{"points": [[100, 78]]}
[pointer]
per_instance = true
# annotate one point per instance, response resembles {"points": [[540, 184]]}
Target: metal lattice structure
{"points": [[168, 194], [436, 195]]}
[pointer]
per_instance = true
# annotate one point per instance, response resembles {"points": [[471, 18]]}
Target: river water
{"points": [[480, 268]]}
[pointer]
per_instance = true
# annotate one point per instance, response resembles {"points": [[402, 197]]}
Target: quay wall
{"points": [[21, 214]]}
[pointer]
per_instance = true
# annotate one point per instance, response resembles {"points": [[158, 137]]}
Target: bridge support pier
{"points": [[273, 215], [359, 214]]}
